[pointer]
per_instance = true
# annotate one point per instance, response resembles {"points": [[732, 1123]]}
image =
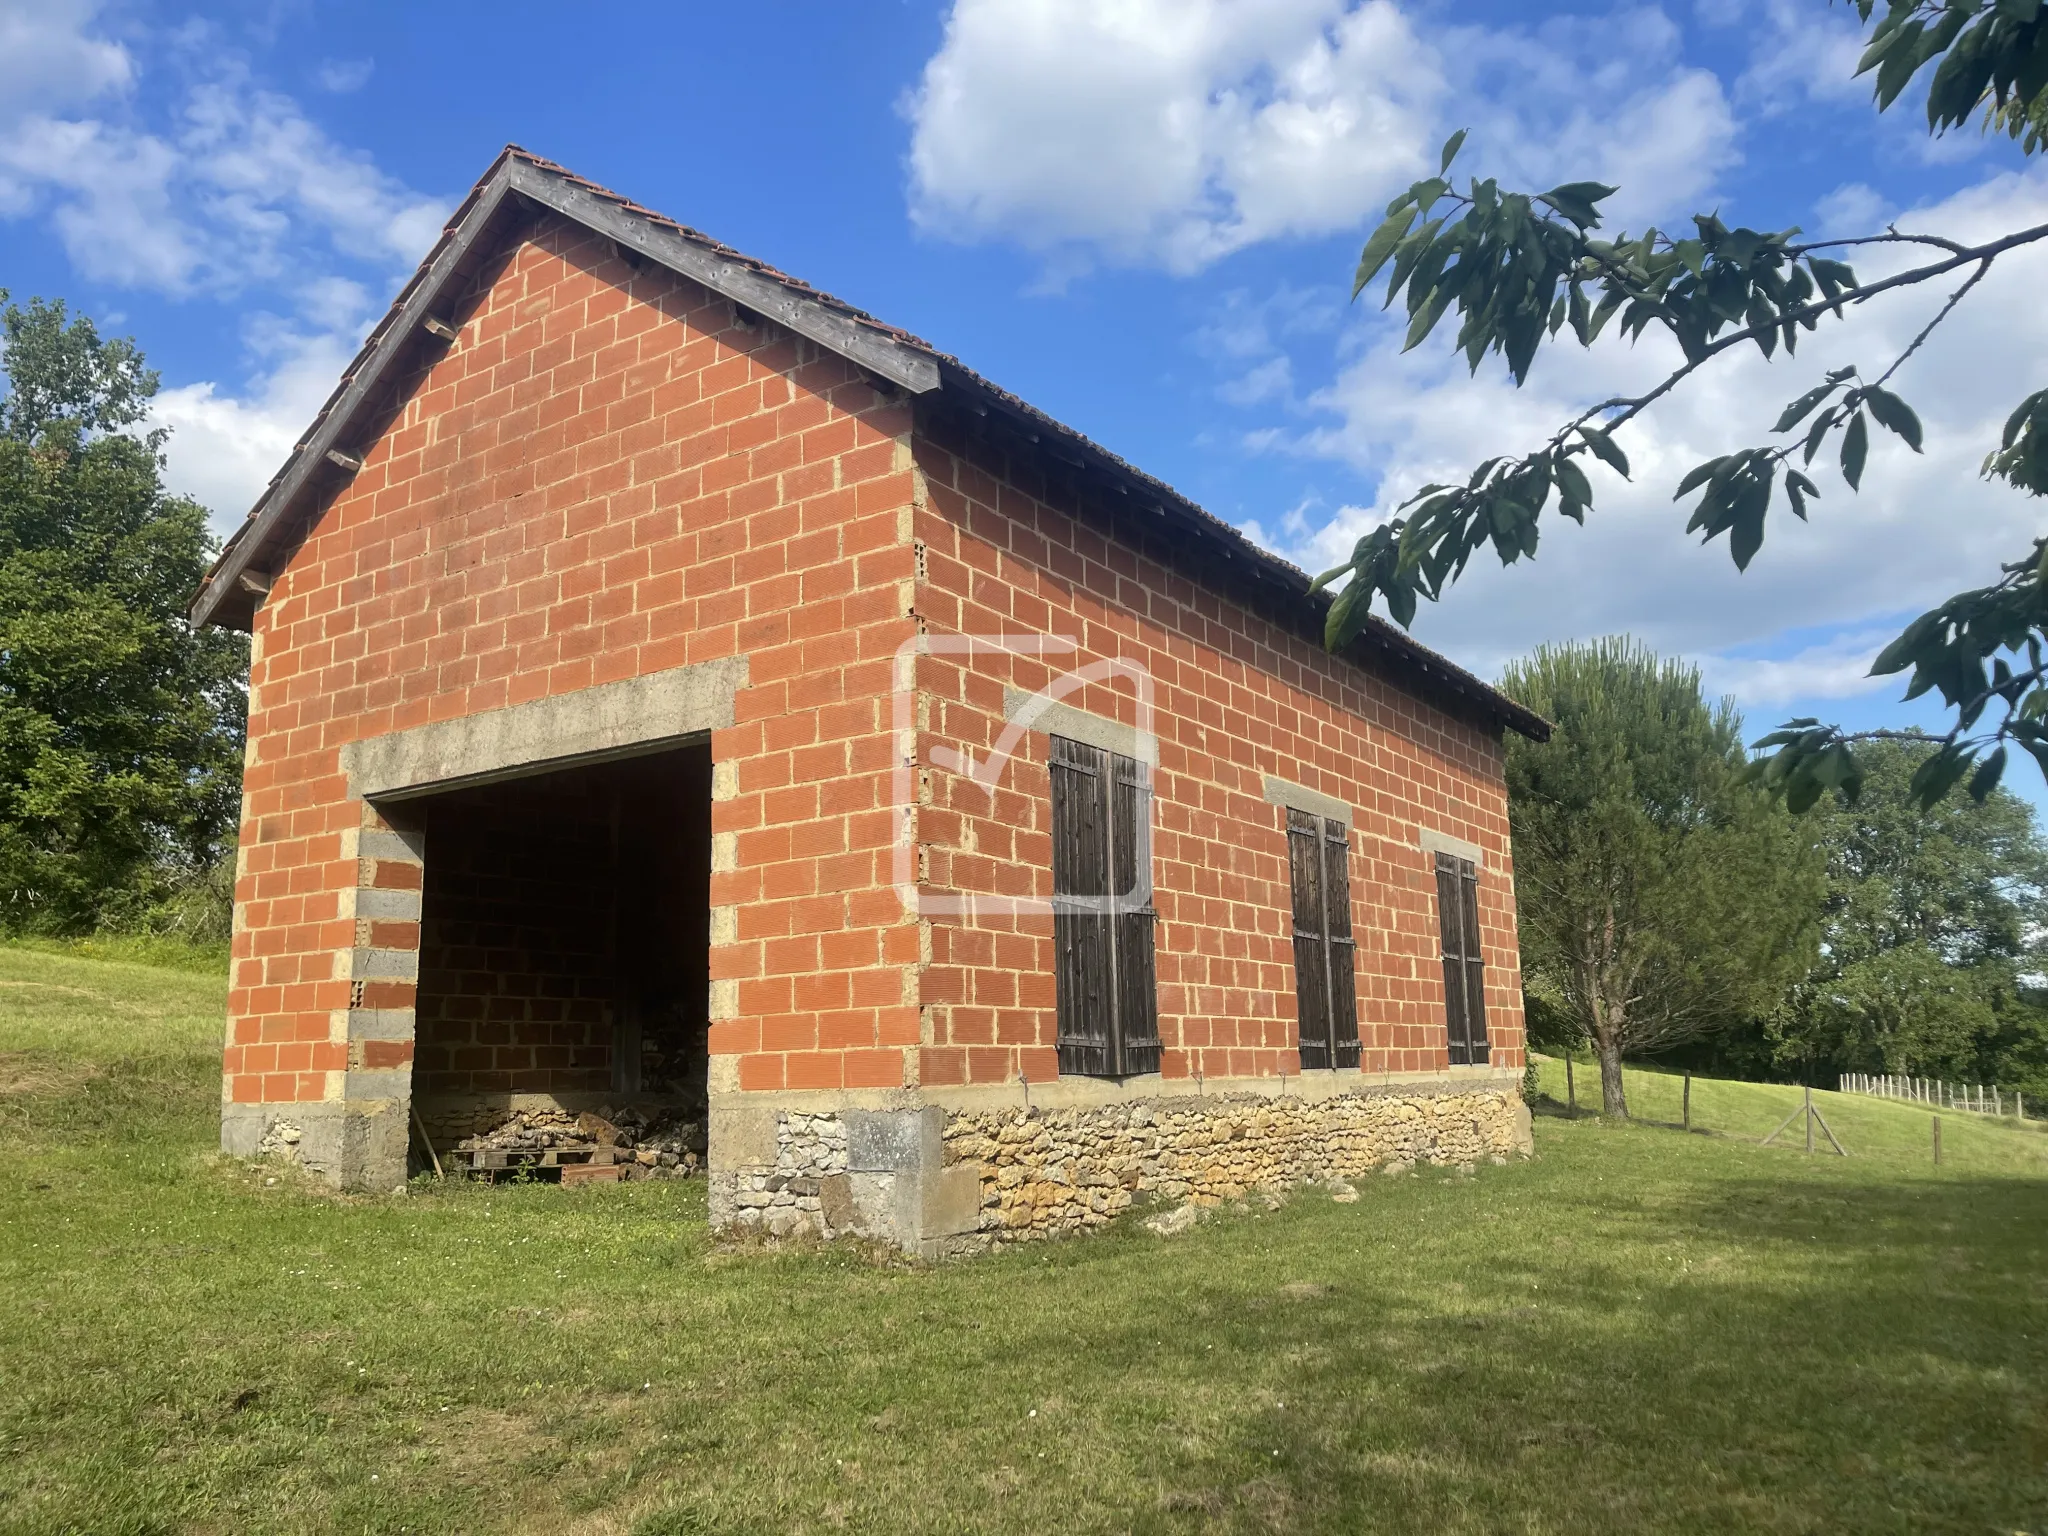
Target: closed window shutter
{"points": [[1311, 949], [1105, 982], [1340, 949], [1475, 968], [1457, 906], [1137, 997], [1080, 930]]}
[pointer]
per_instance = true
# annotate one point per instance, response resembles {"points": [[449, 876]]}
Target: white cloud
{"points": [[1595, 97], [1851, 209], [1174, 132], [212, 188], [1923, 526], [232, 193], [224, 448], [1169, 131], [1835, 668], [341, 76], [229, 184], [46, 59], [1799, 53]]}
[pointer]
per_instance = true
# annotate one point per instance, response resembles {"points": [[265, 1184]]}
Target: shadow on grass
{"points": [[1812, 1358]]}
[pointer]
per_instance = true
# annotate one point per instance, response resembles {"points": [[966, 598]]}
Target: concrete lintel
{"points": [[1298, 797], [1433, 842], [636, 714], [1036, 712]]}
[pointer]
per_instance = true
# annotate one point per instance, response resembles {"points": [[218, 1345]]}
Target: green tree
{"points": [[1932, 920], [1521, 268], [1662, 896], [120, 728]]}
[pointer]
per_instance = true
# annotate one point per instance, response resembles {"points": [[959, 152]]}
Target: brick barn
{"points": [[671, 686]]}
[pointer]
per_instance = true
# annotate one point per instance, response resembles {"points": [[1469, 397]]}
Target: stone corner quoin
{"points": [[604, 745]]}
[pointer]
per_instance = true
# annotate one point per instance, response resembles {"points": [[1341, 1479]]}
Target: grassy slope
{"points": [[1638, 1330]]}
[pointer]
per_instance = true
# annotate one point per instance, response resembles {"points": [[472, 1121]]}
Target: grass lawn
{"points": [[1637, 1331]]}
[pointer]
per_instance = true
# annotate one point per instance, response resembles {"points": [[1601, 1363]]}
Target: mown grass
{"points": [[1639, 1330]]}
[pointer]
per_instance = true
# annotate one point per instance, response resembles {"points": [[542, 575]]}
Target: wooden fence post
{"points": [[1688, 1101], [1937, 1141], [1809, 1117], [1571, 1090]]}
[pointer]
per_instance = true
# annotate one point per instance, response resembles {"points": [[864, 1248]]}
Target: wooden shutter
{"points": [[1457, 905], [1475, 967], [1311, 947], [1325, 981], [1080, 930], [1340, 949], [1137, 995]]}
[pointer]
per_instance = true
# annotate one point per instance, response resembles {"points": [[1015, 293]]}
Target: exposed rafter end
{"points": [[436, 326], [347, 461], [255, 583]]}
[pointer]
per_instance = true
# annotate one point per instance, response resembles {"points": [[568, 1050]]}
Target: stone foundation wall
{"points": [[941, 1181], [799, 1192], [1051, 1171]]}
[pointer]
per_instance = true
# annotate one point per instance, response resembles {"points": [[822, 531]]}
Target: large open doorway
{"points": [[565, 958]]}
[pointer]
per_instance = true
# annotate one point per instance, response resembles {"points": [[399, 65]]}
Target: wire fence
{"points": [[1938, 1093]]}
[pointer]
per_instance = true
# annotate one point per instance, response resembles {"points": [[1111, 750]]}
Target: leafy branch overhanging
{"points": [[1519, 268]]}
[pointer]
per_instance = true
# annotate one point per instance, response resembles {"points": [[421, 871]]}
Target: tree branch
{"points": [[1632, 406]]}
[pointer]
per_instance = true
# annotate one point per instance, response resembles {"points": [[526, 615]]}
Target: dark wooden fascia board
{"points": [[908, 367], [311, 456]]}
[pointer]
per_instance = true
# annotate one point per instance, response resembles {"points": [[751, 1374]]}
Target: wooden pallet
{"points": [[540, 1162]]}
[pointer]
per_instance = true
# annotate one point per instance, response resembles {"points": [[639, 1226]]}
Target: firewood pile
{"points": [[631, 1142]]}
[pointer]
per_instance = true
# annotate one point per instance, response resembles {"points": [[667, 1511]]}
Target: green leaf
{"points": [[1452, 145], [1698, 476], [1899, 655], [1347, 615], [1605, 450], [1937, 776], [1380, 248], [1985, 779], [2017, 421], [1855, 449], [1739, 247], [1327, 577], [1893, 413], [1798, 410], [1426, 318], [1798, 489], [1572, 483]]}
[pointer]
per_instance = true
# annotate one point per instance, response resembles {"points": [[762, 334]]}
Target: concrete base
{"points": [[876, 1173], [353, 1145]]}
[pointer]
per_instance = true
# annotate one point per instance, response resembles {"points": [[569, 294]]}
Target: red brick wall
{"points": [[612, 473], [607, 475], [1236, 698]]}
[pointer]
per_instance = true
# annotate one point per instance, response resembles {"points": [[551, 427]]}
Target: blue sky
{"points": [[1138, 214]]}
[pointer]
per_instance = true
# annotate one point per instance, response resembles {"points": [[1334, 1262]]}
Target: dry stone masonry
{"points": [[1048, 1172]]}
